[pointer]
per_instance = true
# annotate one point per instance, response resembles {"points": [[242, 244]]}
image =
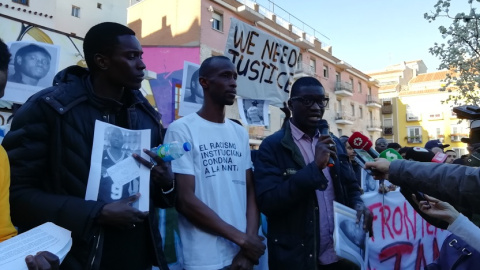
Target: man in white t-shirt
{"points": [[219, 217]]}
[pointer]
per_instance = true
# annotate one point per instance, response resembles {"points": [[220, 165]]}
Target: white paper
{"points": [[254, 112], [349, 237], [191, 96], [20, 92], [114, 177], [46, 237]]}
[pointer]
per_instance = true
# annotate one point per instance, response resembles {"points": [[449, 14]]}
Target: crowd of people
{"points": [[218, 188]]}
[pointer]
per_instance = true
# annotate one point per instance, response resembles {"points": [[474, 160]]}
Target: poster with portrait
{"points": [[254, 112], [114, 173], [191, 96], [32, 67], [348, 235]]}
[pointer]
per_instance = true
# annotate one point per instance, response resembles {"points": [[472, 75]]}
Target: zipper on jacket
{"points": [[96, 249]]}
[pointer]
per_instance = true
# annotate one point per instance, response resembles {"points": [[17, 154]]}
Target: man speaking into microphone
{"points": [[295, 187]]}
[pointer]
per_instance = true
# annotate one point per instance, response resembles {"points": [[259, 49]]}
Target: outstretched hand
{"points": [[437, 209], [43, 260], [121, 214], [380, 168]]}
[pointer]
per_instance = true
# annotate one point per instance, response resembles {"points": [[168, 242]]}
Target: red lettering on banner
{"points": [[420, 257], [396, 250]]}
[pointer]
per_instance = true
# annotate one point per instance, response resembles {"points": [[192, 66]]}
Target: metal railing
{"points": [[343, 86]]}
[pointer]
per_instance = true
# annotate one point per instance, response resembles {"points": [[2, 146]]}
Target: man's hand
{"points": [[437, 209], [160, 174], [253, 247], [324, 148], [241, 262], [121, 213], [367, 218], [380, 168], [43, 260]]}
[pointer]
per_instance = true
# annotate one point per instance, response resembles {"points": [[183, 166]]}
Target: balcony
{"points": [[373, 102], [342, 118], [250, 13], [304, 70], [456, 137], [414, 139], [387, 130], [387, 109], [374, 126], [343, 89], [413, 117]]}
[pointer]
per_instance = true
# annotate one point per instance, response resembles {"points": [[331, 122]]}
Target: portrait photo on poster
{"points": [[254, 112], [114, 173], [349, 237], [191, 96], [32, 67]]}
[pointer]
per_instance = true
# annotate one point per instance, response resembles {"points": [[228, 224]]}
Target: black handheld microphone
{"points": [[324, 130]]}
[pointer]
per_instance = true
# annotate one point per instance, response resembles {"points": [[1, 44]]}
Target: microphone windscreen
{"points": [[359, 141], [419, 154], [390, 155], [439, 157]]}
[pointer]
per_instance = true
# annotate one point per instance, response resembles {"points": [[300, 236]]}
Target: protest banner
{"points": [[402, 240], [265, 64]]}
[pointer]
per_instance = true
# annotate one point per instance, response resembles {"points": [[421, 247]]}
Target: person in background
{"points": [[395, 146], [41, 260], [52, 135], [31, 63], [381, 144], [451, 156], [435, 146], [219, 218]]}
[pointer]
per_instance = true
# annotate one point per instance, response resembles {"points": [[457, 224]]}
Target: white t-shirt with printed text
{"points": [[219, 159]]}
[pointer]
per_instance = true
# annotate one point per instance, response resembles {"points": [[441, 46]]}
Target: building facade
{"points": [[204, 24]]}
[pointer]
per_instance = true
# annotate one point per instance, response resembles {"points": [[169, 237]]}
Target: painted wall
{"points": [[166, 23], [167, 62]]}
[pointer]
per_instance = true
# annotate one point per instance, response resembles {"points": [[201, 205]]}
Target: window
{"points": [[360, 109], [353, 109], [325, 71], [340, 132], [300, 61], [457, 132], [359, 87], [75, 11], [99, 5], [337, 76], [23, 2], [351, 83], [414, 134], [313, 65], [217, 21]]}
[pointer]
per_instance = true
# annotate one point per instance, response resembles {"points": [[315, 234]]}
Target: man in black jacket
{"points": [[50, 147], [295, 189]]}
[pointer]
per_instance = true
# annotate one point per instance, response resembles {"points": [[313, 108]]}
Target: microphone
{"points": [[324, 130], [390, 155], [360, 141], [419, 154]]}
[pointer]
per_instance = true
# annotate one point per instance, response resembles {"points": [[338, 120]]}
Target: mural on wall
{"points": [[168, 63]]}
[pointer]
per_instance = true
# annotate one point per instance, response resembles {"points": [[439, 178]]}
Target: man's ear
{"points": [[289, 103], [18, 60], [101, 61], [203, 82]]}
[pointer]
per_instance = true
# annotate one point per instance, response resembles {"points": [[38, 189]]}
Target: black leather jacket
{"points": [[49, 147]]}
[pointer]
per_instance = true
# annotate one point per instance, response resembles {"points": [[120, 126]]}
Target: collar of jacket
{"points": [[73, 86], [287, 142]]}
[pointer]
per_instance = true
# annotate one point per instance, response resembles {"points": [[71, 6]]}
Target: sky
{"points": [[370, 34]]}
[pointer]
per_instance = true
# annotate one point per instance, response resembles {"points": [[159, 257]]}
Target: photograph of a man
{"points": [[254, 113], [31, 64]]}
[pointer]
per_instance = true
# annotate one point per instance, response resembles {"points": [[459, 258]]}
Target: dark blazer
{"points": [[285, 189]]}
